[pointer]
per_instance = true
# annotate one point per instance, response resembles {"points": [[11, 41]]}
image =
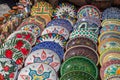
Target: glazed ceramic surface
{"points": [[88, 11], [111, 13], [84, 33], [79, 63], [22, 34], [44, 56], [77, 75], [8, 69], [52, 37], [58, 30], [61, 22], [114, 77], [110, 68], [37, 71], [50, 45], [21, 44], [82, 50], [81, 41]]}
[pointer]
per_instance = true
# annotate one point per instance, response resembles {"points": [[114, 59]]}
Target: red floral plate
{"points": [[27, 35]]}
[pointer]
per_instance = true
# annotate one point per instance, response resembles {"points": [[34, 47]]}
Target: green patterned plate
{"points": [[77, 75], [79, 63]]}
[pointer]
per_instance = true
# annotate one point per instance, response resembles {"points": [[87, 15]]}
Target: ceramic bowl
{"points": [[77, 75], [34, 24], [50, 45], [81, 41], [89, 11], [38, 71], [22, 34], [8, 69], [83, 32], [109, 34], [90, 23], [108, 43], [111, 13], [109, 54], [82, 50], [21, 44], [61, 22], [114, 77], [58, 30], [44, 56], [52, 37], [110, 68], [79, 63]]}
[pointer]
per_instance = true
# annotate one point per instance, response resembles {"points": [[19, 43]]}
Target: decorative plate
{"points": [[8, 69], [21, 44], [89, 11], [110, 68], [109, 34], [82, 50], [58, 30], [77, 75], [50, 45], [79, 63], [81, 41], [61, 22], [22, 34], [34, 24], [37, 71], [111, 13], [108, 43], [44, 56], [83, 32], [109, 51], [114, 77], [65, 9], [52, 37]]}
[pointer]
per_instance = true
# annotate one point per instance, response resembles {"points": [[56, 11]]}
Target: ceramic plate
{"points": [[110, 68], [79, 63], [58, 30], [88, 11], [114, 77], [21, 44], [82, 50], [81, 41], [22, 34], [77, 75], [44, 56], [8, 69], [61, 22], [52, 37], [37, 71], [50, 45]]}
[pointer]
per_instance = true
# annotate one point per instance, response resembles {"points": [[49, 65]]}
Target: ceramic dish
{"points": [[77, 75], [108, 43], [61, 22], [58, 30], [111, 13], [114, 77], [82, 50], [21, 44], [110, 68], [89, 11], [44, 56], [22, 34], [109, 34], [37, 71], [50, 45], [104, 57], [52, 37], [81, 41], [8, 69], [79, 63], [65, 9], [83, 32]]}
